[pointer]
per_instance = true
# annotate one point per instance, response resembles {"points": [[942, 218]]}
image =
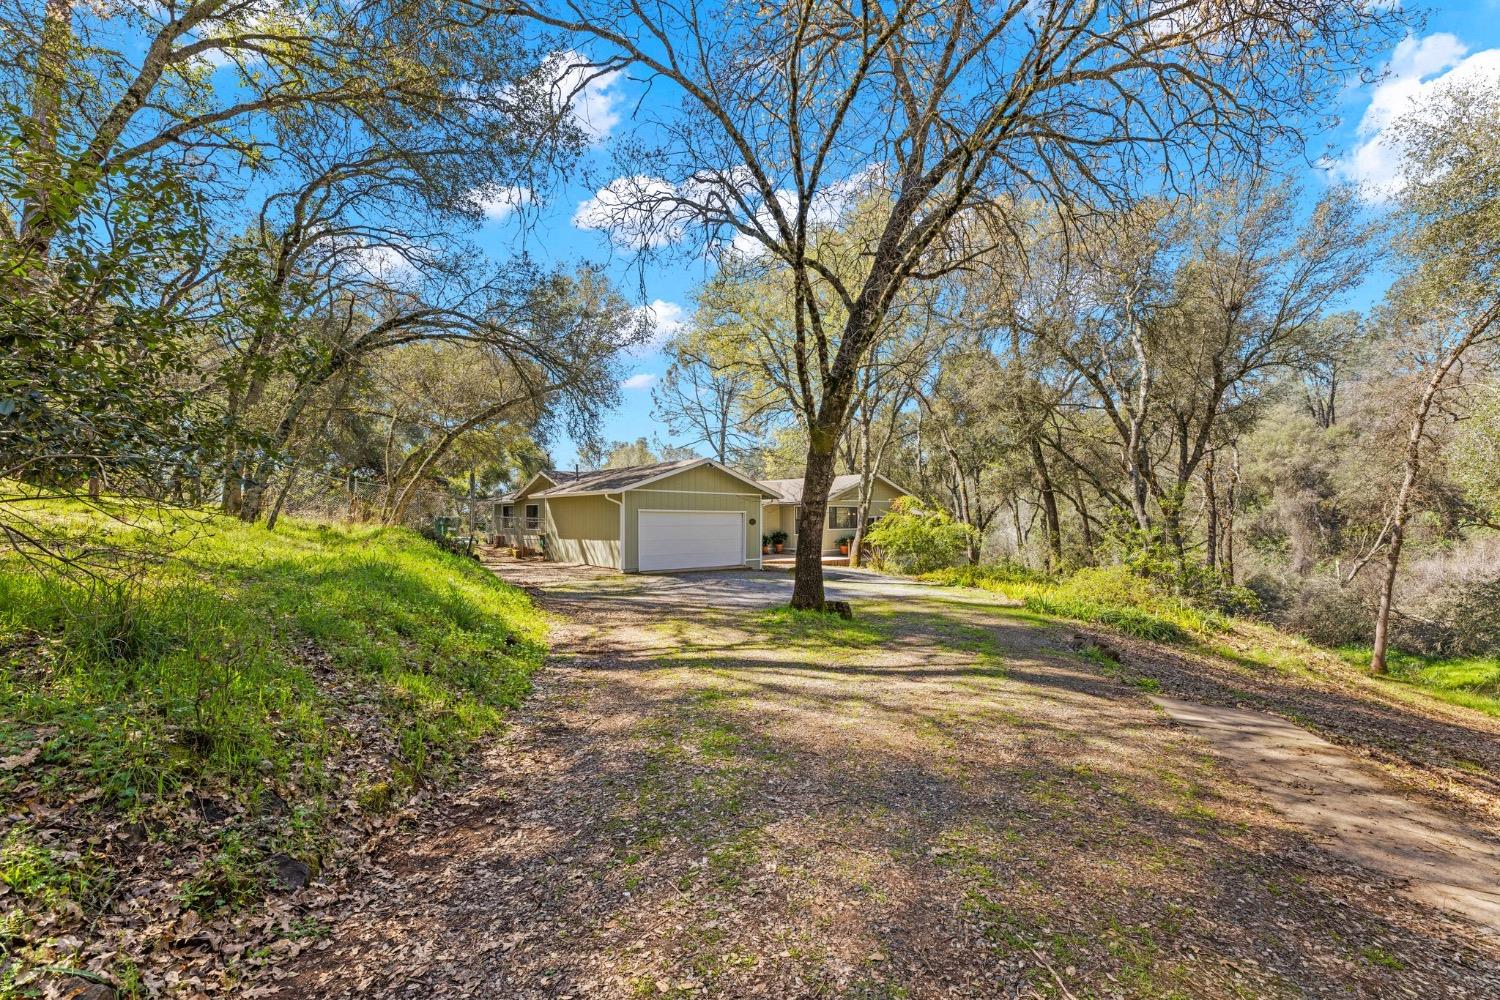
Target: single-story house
{"points": [[843, 508], [689, 514]]}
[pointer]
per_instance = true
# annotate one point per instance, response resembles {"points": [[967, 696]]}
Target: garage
{"points": [[697, 539]]}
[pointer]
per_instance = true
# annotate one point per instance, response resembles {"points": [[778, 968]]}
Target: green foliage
{"points": [[96, 373], [1122, 599], [1147, 555], [1475, 458], [231, 666], [47, 877], [1471, 681], [915, 538], [234, 876], [1115, 596], [984, 576]]}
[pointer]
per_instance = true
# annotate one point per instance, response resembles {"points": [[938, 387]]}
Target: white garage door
{"points": [[680, 539]]}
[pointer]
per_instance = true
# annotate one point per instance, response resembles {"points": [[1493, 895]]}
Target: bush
{"points": [[1109, 595], [985, 577], [1146, 555], [914, 538], [1122, 599]]}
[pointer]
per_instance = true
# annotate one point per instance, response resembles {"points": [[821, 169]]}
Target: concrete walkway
{"points": [[1352, 810]]}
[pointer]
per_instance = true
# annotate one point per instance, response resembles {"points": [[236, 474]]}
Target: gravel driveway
{"points": [[685, 593], [709, 796]]}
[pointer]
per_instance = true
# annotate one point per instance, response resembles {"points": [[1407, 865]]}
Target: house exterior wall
{"points": [[782, 517], [516, 532], [881, 495], [701, 488], [583, 530]]}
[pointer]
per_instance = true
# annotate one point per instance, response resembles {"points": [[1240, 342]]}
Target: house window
{"points": [[506, 510], [842, 517], [533, 511]]}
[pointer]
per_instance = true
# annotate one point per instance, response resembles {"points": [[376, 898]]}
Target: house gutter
{"points": [[620, 563]]}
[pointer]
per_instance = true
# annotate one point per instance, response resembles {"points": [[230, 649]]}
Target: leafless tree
{"points": [[793, 113]]}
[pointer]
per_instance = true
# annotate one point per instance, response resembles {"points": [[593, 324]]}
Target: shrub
{"points": [[1115, 596], [1146, 555], [985, 577], [1317, 609], [914, 538]]}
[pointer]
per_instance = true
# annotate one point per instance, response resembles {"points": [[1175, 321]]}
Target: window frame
{"points": [[853, 513]]}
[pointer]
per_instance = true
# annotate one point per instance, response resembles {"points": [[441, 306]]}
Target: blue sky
{"points": [[1457, 40]]}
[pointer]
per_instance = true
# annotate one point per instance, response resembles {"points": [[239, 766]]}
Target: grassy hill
{"points": [[202, 730], [1120, 600]]}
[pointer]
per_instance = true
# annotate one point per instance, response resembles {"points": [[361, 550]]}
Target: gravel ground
{"points": [[940, 799]]}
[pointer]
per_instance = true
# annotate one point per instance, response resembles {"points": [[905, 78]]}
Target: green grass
{"points": [[1110, 595], [987, 576], [814, 630], [1471, 681], [229, 667]]}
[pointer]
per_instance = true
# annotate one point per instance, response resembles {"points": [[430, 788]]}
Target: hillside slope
{"points": [[178, 743]]}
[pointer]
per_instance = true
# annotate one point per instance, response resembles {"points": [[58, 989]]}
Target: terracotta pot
{"points": [[765, 550], [844, 550], [779, 546]]}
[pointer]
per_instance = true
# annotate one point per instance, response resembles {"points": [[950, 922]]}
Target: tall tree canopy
{"points": [[790, 115]]}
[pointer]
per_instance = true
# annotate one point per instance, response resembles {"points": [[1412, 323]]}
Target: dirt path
{"points": [[1353, 811], [936, 800]]}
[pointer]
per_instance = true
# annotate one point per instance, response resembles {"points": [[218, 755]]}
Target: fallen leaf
{"points": [[23, 759]]}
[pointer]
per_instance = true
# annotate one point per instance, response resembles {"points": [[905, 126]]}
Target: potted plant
{"points": [[778, 541], [765, 545], [844, 544]]}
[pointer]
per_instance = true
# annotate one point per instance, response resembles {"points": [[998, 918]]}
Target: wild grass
{"points": [[238, 664], [1132, 604], [986, 576], [1470, 681], [811, 631], [1109, 595]]}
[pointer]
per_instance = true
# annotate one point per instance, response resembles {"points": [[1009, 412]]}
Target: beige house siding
{"points": [[881, 495], [700, 488], [784, 516], [584, 530], [520, 536]]}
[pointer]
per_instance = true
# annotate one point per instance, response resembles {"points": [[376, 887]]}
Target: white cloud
{"points": [[638, 212], [497, 201], [639, 381], [383, 262], [666, 319], [642, 212], [591, 94], [1416, 69]]}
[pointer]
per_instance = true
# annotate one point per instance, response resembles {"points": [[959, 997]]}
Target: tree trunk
{"points": [[45, 169], [807, 587], [862, 510], [1083, 519], [281, 495], [1229, 500], [1413, 462], [1211, 508], [1052, 522]]}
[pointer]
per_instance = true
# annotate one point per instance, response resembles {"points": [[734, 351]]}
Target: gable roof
{"points": [[790, 490], [636, 476], [553, 476]]}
